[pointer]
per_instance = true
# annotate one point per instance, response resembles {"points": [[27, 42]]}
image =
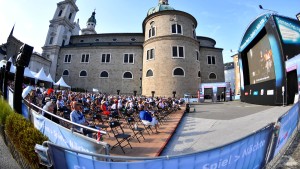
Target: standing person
{"points": [[60, 104]]}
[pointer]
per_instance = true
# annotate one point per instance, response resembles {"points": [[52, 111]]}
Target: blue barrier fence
{"points": [[248, 152], [288, 124]]}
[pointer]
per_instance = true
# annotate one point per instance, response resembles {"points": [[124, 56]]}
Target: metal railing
{"points": [[65, 120]]}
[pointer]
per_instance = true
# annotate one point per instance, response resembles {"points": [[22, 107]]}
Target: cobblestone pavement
{"points": [[291, 158], [6, 159]]}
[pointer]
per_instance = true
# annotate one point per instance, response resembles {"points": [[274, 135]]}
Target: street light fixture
{"points": [[174, 93], [262, 8], [153, 92]]}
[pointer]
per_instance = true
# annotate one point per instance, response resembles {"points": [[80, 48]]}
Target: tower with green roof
{"points": [[171, 52], [90, 25]]}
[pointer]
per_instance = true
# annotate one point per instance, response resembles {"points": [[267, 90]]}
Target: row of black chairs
{"points": [[133, 121]]}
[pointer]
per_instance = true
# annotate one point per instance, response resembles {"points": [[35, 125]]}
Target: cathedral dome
{"points": [[92, 18], [160, 7]]}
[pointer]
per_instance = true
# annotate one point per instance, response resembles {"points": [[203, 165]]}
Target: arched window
{"points": [[212, 76], [199, 74], [83, 73], [152, 29], [127, 75], [104, 74], [60, 12], [65, 73], [178, 72], [149, 73]]}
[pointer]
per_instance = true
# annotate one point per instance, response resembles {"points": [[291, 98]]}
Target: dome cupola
{"points": [[92, 19], [163, 5]]}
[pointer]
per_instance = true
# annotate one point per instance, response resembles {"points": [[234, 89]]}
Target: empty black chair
{"points": [[120, 136], [137, 131], [102, 125]]}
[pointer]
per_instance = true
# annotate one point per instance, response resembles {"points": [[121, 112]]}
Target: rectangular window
{"points": [[194, 32], [197, 56], [175, 51], [128, 58], [85, 58], [152, 32], [178, 51], [176, 29], [150, 54], [179, 29], [211, 60], [67, 58], [105, 58]]}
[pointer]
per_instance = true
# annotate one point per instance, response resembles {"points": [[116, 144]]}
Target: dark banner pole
{"points": [[22, 61], [7, 69], [1, 78]]}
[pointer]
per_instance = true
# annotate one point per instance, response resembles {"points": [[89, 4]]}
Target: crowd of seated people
{"points": [[86, 108]]}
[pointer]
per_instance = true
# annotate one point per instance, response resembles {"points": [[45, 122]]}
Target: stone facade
{"points": [[229, 74], [172, 58], [115, 67], [37, 62], [237, 74]]}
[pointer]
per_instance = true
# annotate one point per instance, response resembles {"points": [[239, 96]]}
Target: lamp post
{"points": [[283, 90], [1, 78], [174, 93], [118, 92], [22, 61], [5, 81], [153, 92], [134, 93]]}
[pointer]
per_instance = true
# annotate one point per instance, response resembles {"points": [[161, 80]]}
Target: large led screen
{"points": [[260, 60]]}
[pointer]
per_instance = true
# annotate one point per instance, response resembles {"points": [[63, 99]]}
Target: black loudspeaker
{"points": [[24, 55]]}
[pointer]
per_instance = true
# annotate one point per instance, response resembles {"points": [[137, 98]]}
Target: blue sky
{"points": [[223, 20]]}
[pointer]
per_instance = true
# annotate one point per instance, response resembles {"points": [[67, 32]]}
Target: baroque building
{"points": [[166, 57]]}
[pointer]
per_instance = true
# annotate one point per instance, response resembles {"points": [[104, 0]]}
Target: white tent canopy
{"points": [[50, 78], [42, 76], [28, 73], [62, 83]]}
